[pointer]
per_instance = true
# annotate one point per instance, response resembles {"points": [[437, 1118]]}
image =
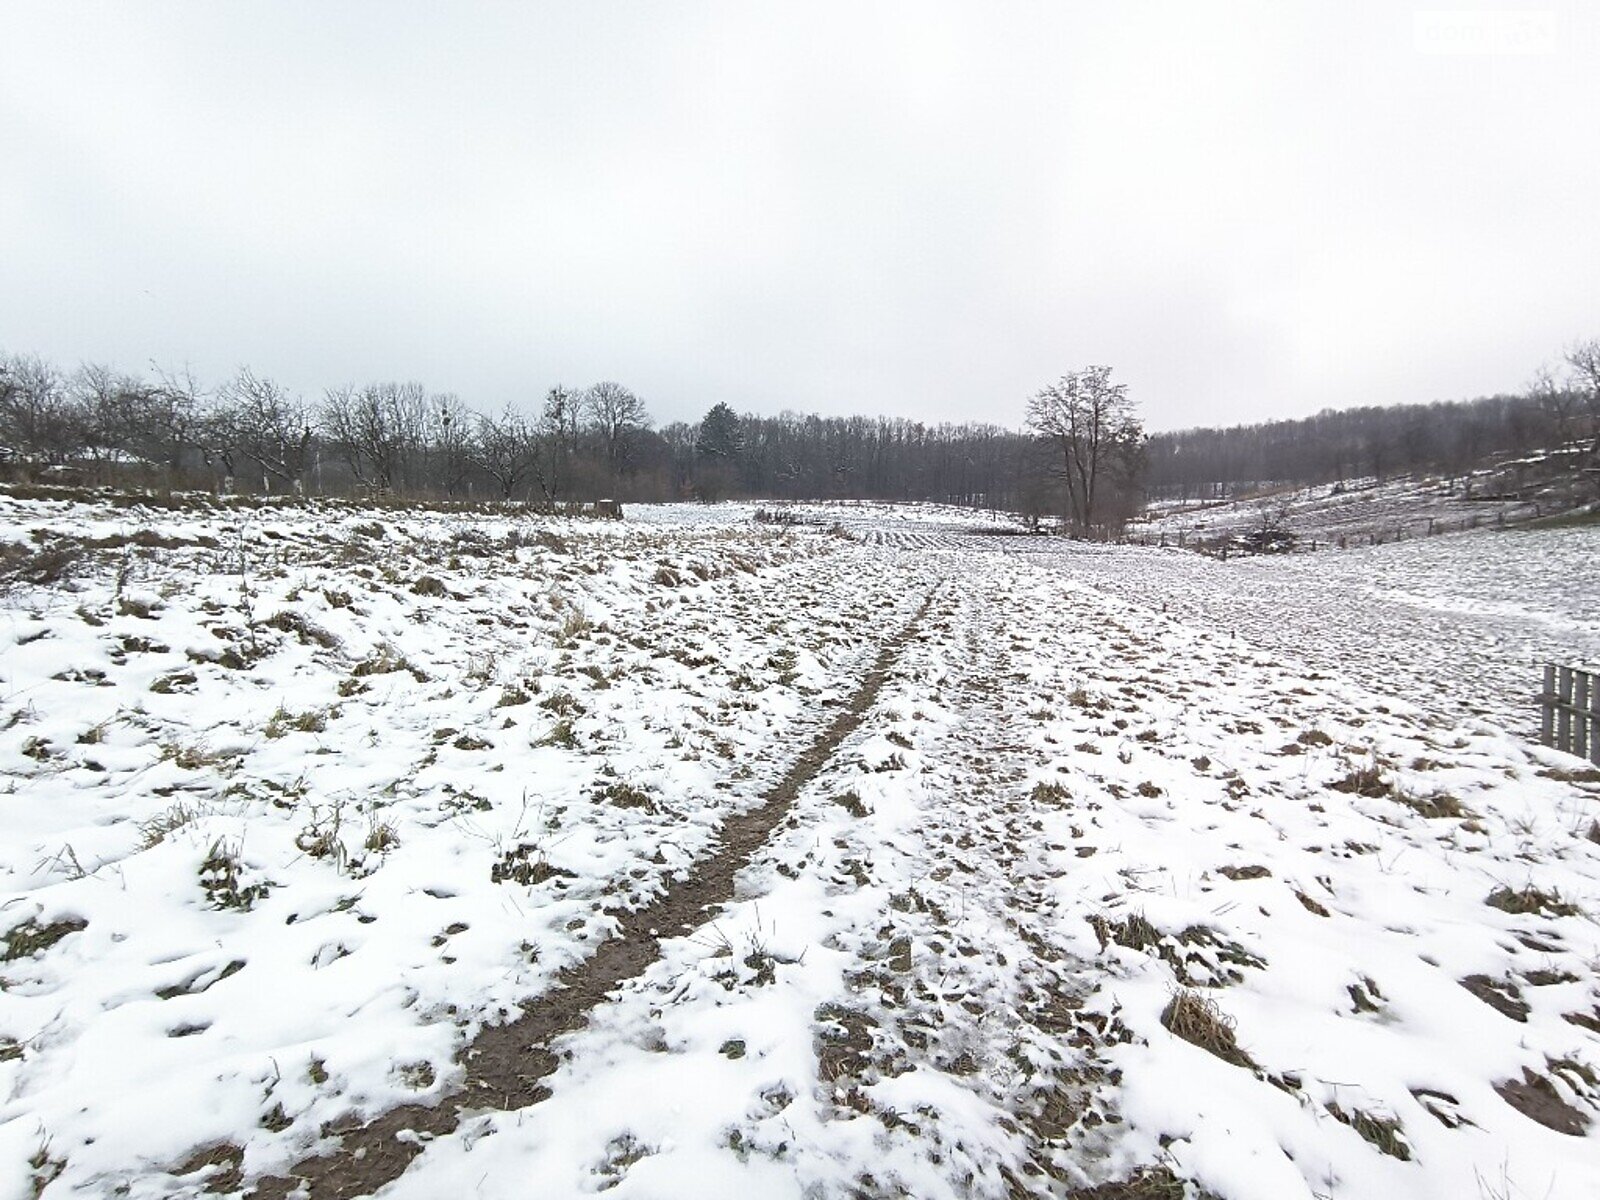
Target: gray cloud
{"points": [[918, 208]]}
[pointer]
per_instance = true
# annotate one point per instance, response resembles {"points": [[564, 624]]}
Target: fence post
{"points": [[1547, 704], [1594, 724], [1580, 702], [1564, 709]]}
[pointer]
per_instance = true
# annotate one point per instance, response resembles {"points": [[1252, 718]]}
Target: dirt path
{"points": [[506, 1064]]}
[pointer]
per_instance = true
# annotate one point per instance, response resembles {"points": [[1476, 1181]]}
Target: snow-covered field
{"points": [[1138, 870], [1458, 624]]}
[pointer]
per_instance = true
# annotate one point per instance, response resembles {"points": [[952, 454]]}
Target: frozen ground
{"points": [[1110, 885]]}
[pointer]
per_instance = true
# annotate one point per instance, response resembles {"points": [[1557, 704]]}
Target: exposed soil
{"points": [[1501, 995], [1535, 1097], [506, 1064]]}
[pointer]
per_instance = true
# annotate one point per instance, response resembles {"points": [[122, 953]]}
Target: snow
{"points": [[1094, 780], [1359, 511]]}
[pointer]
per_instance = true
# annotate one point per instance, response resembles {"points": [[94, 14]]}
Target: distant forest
{"points": [[1339, 445], [250, 435]]}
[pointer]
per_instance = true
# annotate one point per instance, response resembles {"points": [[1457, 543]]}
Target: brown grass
{"points": [[1437, 807], [1147, 1183], [1532, 901], [1385, 1133], [1134, 932], [1052, 795], [1364, 781], [1198, 1021], [30, 937], [306, 630]]}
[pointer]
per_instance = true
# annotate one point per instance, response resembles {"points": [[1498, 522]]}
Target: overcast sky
{"points": [[922, 209]]}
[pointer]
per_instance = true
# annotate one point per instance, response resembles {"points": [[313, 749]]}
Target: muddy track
{"points": [[506, 1064]]}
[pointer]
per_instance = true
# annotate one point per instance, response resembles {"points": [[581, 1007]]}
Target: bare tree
{"points": [[1584, 359], [261, 422], [175, 403], [1560, 404], [1093, 427], [559, 424], [615, 413], [449, 432], [36, 417], [507, 449], [106, 405], [379, 429]]}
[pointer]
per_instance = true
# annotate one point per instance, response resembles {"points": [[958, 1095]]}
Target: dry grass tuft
{"points": [[221, 879], [154, 831], [1365, 781], [1198, 1021], [304, 628], [1135, 932], [1052, 795], [852, 804], [624, 795], [1385, 1133], [30, 937], [1532, 901], [1437, 807]]}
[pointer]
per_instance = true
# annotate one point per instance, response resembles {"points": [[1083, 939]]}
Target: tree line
{"points": [[250, 434], [1559, 412], [1083, 455]]}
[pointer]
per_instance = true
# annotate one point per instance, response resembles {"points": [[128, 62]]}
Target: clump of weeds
{"points": [[1383, 1132], [623, 795], [852, 804], [320, 837], [30, 937], [561, 734], [302, 627], [283, 722], [1198, 1021], [1532, 901], [154, 831], [1365, 781], [1052, 795], [1135, 932], [221, 878]]}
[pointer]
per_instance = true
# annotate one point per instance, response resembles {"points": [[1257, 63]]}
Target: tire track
{"points": [[507, 1064]]}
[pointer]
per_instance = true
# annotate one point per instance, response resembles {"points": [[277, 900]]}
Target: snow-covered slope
{"points": [[1359, 512]]}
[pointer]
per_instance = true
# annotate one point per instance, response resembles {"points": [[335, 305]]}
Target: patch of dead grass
{"points": [[1197, 1020]]}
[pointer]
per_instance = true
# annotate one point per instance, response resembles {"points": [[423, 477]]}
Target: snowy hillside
{"points": [[694, 856], [1360, 512]]}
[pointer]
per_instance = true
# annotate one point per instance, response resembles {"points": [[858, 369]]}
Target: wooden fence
{"points": [[1571, 706]]}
